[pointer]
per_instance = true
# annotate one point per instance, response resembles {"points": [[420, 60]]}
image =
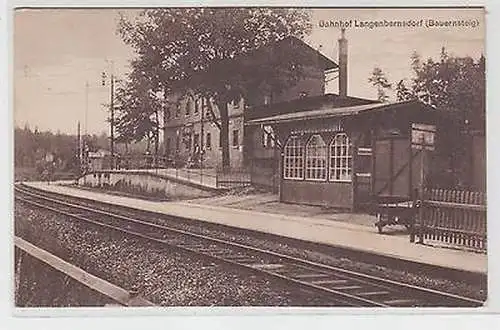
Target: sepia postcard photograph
{"points": [[277, 157]]}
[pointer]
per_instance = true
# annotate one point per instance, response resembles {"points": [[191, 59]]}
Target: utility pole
{"points": [[86, 107], [79, 148], [112, 113], [202, 131], [112, 123], [83, 159]]}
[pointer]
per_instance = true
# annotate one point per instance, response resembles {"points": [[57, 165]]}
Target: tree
{"points": [[379, 80], [403, 93], [452, 84], [138, 110], [205, 50], [30, 149], [456, 87]]}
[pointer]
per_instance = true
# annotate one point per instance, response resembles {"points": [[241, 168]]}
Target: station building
{"points": [[189, 126], [315, 148]]}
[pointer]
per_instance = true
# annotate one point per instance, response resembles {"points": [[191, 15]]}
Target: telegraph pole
{"points": [[112, 123], [86, 107], [79, 148], [202, 144], [112, 113]]}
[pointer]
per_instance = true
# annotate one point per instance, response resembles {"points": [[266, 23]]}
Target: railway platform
{"points": [[318, 229], [204, 177]]}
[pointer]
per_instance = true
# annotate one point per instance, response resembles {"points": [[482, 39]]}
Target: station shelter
{"points": [[344, 157]]}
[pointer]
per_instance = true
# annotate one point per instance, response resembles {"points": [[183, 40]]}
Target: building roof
{"points": [[298, 44], [290, 45], [272, 53], [311, 103], [331, 112]]}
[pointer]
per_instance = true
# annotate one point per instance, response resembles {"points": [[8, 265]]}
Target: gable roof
{"points": [[273, 54], [299, 45], [277, 51]]}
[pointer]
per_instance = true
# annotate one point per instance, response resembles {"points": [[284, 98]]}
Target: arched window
{"points": [[340, 158], [293, 162], [316, 158]]}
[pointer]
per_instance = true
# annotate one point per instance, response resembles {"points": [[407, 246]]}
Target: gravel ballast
{"points": [[39, 285], [303, 250], [167, 278]]}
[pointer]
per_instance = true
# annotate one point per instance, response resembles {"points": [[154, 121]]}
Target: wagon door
{"points": [[396, 167]]}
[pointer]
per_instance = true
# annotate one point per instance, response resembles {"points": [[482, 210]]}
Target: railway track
{"points": [[340, 286]]}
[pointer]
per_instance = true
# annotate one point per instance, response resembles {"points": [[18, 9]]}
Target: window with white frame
{"points": [[316, 154], [197, 104], [267, 99], [268, 137], [293, 162], [341, 158]]}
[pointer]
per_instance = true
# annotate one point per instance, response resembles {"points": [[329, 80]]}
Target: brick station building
{"points": [[189, 128]]}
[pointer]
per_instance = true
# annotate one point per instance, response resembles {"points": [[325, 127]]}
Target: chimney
{"points": [[342, 64]]}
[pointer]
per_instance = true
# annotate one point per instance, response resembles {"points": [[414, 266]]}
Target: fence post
{"points": [[275, 174], [421, 227], [414, 216]]}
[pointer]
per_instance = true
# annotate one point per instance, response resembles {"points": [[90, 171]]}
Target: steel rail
{"points": [[356, 291]]}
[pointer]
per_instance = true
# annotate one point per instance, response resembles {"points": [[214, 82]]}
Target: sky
{"points": [[58, 51]]}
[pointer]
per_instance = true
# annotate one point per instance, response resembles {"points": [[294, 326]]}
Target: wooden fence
{"points": [[453, 217]]}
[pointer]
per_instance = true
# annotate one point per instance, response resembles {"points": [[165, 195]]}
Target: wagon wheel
{"points": [[379, 227], [378, 224]]}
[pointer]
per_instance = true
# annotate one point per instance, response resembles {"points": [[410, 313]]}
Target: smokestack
{"points": [[342, 64]]}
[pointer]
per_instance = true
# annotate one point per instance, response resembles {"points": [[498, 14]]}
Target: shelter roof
{"points": [[334, 112]]}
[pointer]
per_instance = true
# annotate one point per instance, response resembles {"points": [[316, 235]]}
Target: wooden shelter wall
{"points": [[328, 194]]}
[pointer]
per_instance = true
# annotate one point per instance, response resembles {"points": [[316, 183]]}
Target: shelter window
{"points": [[268, 137], [341, 158], [294, 159], [316, 154]]}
